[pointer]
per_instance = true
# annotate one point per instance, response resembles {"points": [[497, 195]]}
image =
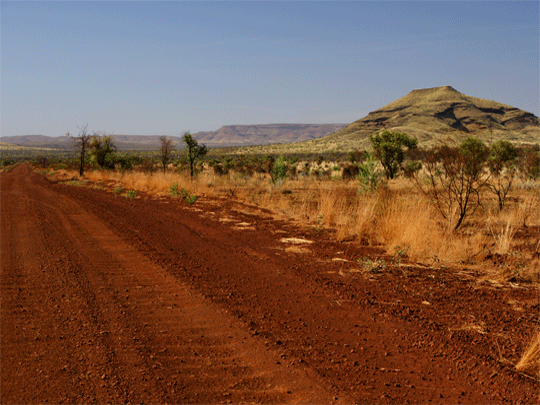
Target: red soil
{"points": [[110, 300]]}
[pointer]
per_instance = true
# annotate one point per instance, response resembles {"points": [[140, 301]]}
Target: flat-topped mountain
{"points": [[430, 114], [231, 135]]}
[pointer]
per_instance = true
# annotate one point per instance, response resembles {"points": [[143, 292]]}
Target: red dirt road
{"points": [[110, 300]]}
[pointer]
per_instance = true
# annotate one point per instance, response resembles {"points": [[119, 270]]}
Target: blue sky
{"points": [[148, 67]]}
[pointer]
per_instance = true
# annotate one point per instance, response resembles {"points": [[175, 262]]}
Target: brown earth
{"points": [[111, 300]]}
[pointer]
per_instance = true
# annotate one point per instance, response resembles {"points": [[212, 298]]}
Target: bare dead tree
{"points": [[81, 142], [167, 148]]}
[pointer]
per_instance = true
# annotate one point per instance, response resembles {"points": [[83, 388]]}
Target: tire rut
{"points": [[111, 326]]}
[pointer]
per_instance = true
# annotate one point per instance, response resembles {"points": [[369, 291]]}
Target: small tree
{"points": [[455, 176], [194, 150], [167, 148], [388, 147], [101, 147], [81, 143], [501, 163]]}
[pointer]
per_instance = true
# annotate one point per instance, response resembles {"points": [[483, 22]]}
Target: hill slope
{"points": [[431, 113]]}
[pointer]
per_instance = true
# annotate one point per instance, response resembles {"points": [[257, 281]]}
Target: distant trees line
{"points": [[100, 149]]}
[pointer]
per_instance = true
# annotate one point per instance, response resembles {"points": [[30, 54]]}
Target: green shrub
{"points": [[131, 194], [184, 193], [173, 189], [279, 170], [191, 199], [8, 162], [368, 174], [118, 190]]}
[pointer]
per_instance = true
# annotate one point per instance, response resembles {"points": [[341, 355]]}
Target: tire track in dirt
{"points": [[103, 324]]}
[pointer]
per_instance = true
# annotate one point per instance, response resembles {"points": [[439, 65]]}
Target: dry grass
{"points": [[530, 360], [396, 217]]}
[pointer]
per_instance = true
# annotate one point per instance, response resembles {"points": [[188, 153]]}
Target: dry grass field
{"points": [[397, 217]]}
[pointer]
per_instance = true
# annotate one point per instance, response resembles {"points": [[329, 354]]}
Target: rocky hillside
{"points": [[430, 114]]}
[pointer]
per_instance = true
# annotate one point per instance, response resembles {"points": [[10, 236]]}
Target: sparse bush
{"points": [[148, 166], [501, 163], [173, 189], [166, 149], [529, 162], [191, 199], [355, 156], [291, 170], [279, 170], [219, 169], [131, 194], [102, 150], [82, 143], [293, 160], [8, 162], [127, 161], [368, 174], [350, 172], [268, 163], [184, 193], [454, 178], [118, 190]]}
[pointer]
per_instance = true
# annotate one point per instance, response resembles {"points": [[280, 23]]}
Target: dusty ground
{"points": [[111, 300]]}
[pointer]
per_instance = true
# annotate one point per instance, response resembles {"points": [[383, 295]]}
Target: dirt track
{"points": [[110, 300]]}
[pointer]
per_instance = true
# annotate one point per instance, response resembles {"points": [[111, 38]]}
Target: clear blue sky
{"points": [[149, 67]]}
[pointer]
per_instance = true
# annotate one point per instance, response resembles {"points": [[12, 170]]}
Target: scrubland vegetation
{"points": [[441, 208], [463, 204]]}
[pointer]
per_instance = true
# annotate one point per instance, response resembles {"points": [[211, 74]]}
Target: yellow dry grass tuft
{"points": [[530, 360]]}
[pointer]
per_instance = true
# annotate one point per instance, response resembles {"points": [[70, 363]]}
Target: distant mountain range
{"points": [[430, 115], [232, 135]]}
